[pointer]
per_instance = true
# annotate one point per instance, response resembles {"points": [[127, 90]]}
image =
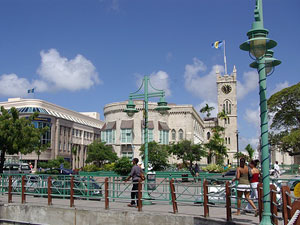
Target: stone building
{"points": [[69, 131], [126, 134]]}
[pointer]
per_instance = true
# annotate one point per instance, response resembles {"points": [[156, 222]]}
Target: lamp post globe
{"points": [[270, 62], [130, 108]]}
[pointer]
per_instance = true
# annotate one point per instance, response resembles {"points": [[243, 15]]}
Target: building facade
{"points": [[126, 134], [69, 132]]}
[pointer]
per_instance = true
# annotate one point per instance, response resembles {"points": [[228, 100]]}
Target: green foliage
{"points": [[108, 167], [284, 106], [18, 135], [213, 168], [157, 155], [222, 115], [239, 155], [207, 109], [91, 168], [100, 153], [188, 152], [216, 145], [55, 163], [250, 152], [123, 166]]}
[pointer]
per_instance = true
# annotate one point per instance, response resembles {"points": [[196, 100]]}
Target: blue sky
{"points": [[83, 54]]}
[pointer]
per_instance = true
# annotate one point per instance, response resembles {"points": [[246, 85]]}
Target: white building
{"points": [[68, 130]]}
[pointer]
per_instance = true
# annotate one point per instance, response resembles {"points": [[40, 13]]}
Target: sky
{"points": [[84, 54]]}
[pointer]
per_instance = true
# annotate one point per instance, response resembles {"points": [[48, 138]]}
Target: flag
{"points": [[30, 91], [217, 44]]}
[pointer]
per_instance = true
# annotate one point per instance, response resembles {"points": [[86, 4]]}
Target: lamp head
{"points": [[130, 108], [270, 62], [258, 43], [162, 106]]}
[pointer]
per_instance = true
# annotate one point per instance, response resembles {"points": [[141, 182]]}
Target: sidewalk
{"points": [[217, 214]]}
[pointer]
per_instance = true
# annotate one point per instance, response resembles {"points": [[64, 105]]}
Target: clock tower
{"points": [[227, 101]]}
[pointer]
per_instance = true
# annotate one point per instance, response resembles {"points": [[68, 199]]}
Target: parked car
{"points": [[16, 168]]}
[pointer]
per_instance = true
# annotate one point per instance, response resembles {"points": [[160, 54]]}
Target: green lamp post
{"points": [[162, 107], [258, 46]]}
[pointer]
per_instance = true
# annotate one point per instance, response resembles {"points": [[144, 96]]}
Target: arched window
{"points": [[227, 107], [229, 140], [180, 134], [208, 135], [226, 140], [173, 135], [228, 120]]}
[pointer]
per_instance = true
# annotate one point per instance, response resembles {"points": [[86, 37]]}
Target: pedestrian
{"points": [[197, 170], [243, 188], [254, 181], [135, 174], [276, 170]]}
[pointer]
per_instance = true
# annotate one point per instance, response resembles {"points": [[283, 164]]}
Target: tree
{"points": [[157, 155], [284, 107], [55, 163], [223, 115], [123, 166], [216, 145], [188, 152], [100, 153], [18, 135], [239, 155], [207, 109], [250, 152]]}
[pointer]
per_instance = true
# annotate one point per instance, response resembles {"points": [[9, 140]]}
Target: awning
{"points": [[163, 126], [109, 126], [150, 124], [127, 124]]}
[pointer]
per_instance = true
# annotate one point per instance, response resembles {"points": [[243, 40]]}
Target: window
{"points": [[108, 136], [150, 135], [229, 140], [208, 135], [128, 155], [226, 140], [227, 107], [173, 135], [228, 120], [46, 137], [164, 137], [180, 134], [126, 135]]}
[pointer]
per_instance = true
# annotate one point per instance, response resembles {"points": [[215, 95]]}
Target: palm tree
{"points": [[207, 109], [250, 151], [223, 115]]}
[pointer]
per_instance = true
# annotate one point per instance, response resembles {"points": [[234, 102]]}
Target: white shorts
{"points": [[243, 187]]}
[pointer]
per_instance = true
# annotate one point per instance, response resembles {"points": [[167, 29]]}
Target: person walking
{"points": [[254, 181], [135, 174], [276, 170], [243, 188]]}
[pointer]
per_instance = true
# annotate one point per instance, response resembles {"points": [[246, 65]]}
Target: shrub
{"points": [[123, 166], [213, 168], [91, 168], [108, 167]]}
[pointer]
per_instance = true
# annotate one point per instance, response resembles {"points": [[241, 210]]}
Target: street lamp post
{"points": [[258, 45], [131, 110], [237, 146]]}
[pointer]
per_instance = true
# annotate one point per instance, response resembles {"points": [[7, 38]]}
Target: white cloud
{"points": [[61, 73], [13, 86], [243, 142], [252, 117], [211, 104], [250, 83], [159, 80], [280, 86], [203, 87]]}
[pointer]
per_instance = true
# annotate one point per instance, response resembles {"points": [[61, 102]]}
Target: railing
{"points": [[174, 190]]}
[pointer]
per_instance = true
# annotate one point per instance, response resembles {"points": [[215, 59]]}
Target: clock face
{"points": [[226, 89]]}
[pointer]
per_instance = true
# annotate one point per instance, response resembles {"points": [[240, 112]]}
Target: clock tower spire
{"points": [[227, 101]]}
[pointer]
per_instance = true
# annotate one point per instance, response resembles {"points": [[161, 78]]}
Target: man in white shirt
{"points": [[277, 170]]}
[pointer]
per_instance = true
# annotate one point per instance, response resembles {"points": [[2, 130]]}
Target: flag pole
{"points": [[225, 62]]}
